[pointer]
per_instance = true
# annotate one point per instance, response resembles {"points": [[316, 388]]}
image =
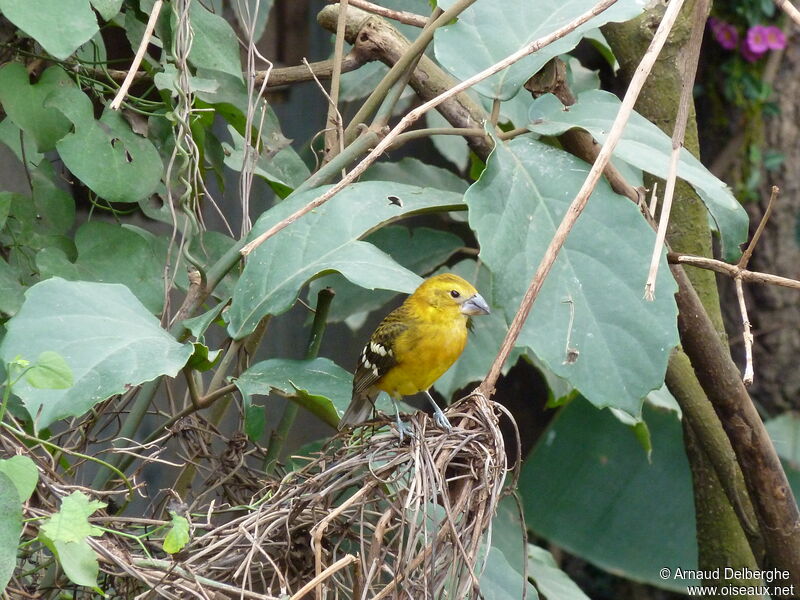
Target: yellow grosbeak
{"points": [[414, 345]]}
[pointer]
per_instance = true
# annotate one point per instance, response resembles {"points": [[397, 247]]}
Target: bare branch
{"points": [[731, 270], [790, 10], [760, 229], [116, 103], [401, 16]]}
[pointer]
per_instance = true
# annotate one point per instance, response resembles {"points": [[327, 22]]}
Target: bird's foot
{"points": [[441, 420], [403, 429]]}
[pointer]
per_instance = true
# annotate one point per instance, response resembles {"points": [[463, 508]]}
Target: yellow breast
{"points": [[424, 353]]}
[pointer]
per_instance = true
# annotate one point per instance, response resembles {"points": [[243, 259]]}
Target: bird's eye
{"points": [[455, 293]]}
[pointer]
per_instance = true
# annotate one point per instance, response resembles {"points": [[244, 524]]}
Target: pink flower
{"points": [[756, 40], [776, 40], [749, 55], [725, 33]]}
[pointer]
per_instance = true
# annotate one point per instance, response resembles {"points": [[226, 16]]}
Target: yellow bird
{"points": [[413, 346]]}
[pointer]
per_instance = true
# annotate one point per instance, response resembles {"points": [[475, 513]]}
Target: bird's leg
{"points": [[402, 428], [438, 415]]}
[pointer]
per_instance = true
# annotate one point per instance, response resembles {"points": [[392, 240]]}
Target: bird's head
{"points": [[452, 293]]}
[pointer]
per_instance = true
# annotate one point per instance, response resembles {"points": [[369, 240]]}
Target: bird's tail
{"points": [[360, 409]]}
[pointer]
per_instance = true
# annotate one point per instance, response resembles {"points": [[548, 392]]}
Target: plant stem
{"points": [[279, 435]]}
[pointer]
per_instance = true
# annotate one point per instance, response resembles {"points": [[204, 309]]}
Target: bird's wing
{"points": [[378, 356]]}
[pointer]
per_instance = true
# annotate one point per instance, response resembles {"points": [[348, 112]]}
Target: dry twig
{"points": [[116, 103], [678, 134]]}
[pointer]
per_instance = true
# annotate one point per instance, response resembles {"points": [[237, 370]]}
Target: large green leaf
{"points": [[23, 103], [319, 385], [326, 240], [484, 35], [214, 45], [624, 342], [60, 26], [10, 528], [106, 155], [485, 338], [419, 250], [589, 488], [109, 253], [108, 338], [645, 146]]}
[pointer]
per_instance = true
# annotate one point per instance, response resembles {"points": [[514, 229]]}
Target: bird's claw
{"points": [[442, 421], [403, 429]]}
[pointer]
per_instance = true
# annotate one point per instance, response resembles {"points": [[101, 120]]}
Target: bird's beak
{"points": [[475, 305]]}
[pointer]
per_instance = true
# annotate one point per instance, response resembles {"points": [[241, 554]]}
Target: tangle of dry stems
{"points": [[367, 518]]}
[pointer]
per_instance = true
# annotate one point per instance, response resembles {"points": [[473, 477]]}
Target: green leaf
{"points": [[71, 522], [78, 560], [11, 290], [488, 332], [36, 223], [202, 358], [587, 485], [508, 533], [50, 372], [645, 146], [419, 250], [551, 581], [598, 40], [283, 169], [22, 472], [319, 385], [23, 103], [325, 240], [65, 534], [5, 207], [500, 581], [198, 325], [10, 528], [108, 9], [214, 45], [483, 36], [107, 337], [579, 78], [453, 147], [106, 155], [178, 535], [110, 253], [624, 342], [413, 171], [255, 421], [60, 26], [10, 136]]}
